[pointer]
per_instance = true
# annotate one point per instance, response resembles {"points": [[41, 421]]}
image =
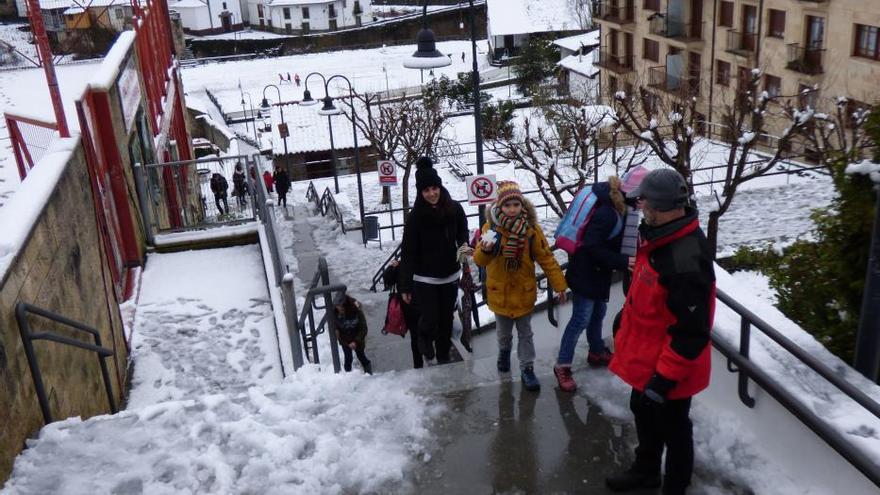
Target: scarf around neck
{"points": [[517, 229]]}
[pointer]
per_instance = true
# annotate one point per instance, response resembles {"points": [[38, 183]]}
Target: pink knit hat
{"points": [[633, 178]]}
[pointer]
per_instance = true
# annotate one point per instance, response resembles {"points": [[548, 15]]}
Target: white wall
{"points": [[319, 19], [197, 18]]}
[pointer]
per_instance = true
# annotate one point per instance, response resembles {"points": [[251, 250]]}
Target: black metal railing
{"points": [[805, 60], [327, 204], [680, 29], [679, 84], [320, 286], [616, 13], [741, 43], [739, 362], [620, 64], [22, 310]]}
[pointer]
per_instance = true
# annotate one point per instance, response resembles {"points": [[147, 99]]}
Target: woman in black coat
{"points": [[434, 235]]}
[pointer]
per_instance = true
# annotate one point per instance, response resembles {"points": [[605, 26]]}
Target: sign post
{"points": [[482, 189], [387, 173]]}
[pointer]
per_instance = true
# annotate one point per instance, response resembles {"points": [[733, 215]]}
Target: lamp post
{"points": [[867, 359], [427, 57], [265, 106], [329, 110], [253, 115]]}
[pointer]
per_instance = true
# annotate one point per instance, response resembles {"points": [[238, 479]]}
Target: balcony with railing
{"points": [[676, 29], [620, 64], [805, 60], [679, 84], [616, 13], [745, 44]]}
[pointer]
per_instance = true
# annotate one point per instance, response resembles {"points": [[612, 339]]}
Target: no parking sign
{"points": [[387, 173], [481, 189]]}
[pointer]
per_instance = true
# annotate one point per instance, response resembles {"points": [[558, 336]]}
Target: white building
{"points": [[208, 16], [510, 22], [577, 75], [306, 16]]}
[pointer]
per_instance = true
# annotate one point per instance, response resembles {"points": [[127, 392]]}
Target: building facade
{"points": [[709, 48], [208, 16], [307, 16]]}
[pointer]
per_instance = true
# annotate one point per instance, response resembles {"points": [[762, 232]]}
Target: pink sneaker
{"points": [[599, 358], [563, 376]]}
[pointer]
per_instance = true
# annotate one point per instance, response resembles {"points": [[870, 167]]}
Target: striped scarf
{"points": [[630, 233], [517, 228]]}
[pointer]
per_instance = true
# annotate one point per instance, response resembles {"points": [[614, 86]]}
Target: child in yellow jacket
{"points": [[510, 244]]}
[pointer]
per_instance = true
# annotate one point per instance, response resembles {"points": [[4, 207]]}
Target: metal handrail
{"points": [[320, 285], [748, 370], [328, 204], [312, 194], [22, 310], [381, 271]]}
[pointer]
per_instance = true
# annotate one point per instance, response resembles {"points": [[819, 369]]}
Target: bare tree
{"points": [[561, 143], [402, 131], [583, 11]]}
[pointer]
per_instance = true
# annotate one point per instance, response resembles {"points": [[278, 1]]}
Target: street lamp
{"points": [[327, 110], [427, 57], [265, 106], [253, 115]]}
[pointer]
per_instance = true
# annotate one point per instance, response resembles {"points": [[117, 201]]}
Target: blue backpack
{"points": [[570, 232]]}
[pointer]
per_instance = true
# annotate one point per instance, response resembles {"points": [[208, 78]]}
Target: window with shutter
{"points": [[772, 85], [722, 72], [726, 18], [651, 50], [867, 42], [652, 5], [776, 27]]}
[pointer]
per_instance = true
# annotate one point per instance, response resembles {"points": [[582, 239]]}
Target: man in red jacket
{"points": [[662, 345]]}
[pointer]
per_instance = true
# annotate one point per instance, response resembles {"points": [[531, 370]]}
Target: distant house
{"points": [[577, 75], [306, 152], [82, 26], [208, 16], [307, 16], [512, 22]]}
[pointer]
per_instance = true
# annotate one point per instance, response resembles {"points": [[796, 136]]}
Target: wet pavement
{"points": [[503, 439]]}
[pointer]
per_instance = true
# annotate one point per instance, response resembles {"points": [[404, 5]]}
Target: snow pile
{"points": [[315, 433], [865, 167]]}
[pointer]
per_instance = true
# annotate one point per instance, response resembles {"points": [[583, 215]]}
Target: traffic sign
{"points": [[387, 173], [481, 189], [283, 132]]}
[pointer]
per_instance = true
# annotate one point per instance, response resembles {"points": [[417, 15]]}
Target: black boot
{"points": [[632, 479], [426, 347], [368, 367]]}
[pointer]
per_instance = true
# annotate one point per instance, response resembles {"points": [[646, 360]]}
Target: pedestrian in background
{"points": [[435, 235], [239, 185], [510, 244], [282, 184], [219, 187], [662, 345], [351, 331]]}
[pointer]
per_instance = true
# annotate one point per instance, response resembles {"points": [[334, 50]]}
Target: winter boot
{"points": [[598, 359], [426, 347], [368, 367], [503, 360], [529, 380], [632, 479], [563, 376]]}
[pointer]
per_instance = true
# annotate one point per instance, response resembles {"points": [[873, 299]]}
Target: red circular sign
{"points": [[482, 188], [386, 169]]}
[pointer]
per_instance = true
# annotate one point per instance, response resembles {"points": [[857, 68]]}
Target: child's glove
{"points": [[487, 241], [464, 252]]}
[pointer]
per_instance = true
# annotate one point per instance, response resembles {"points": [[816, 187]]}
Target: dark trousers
{"points": [[282, 197], [225, 208], [436, 305], [664, 425], [362, 357], [411, 315]]}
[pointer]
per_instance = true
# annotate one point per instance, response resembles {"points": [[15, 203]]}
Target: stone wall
{"points": [[59, 268], [444, 24]]}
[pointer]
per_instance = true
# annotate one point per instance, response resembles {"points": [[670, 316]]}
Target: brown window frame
{"points": [[652, 54], [858, 49], [651, 5], [768, 79], [775, 23], [725, 14], [722, 77]]}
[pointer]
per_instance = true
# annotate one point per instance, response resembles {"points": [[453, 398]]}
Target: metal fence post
{"points": [[289, 301], [867, 359]]}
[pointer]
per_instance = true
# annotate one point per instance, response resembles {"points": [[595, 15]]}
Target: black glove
{"points": [[657, 389]]}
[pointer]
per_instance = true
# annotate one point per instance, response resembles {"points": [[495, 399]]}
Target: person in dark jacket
{"points": [[239, 185], [435, 234], [219, 186], [662, 345], [351, 331], [589, 278], [282, 184]]}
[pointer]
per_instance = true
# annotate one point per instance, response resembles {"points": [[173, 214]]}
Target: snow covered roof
{"points": [[532, 16], [582, 64], [186, 4], [309, 132], [78, 6], [574, 43]]}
